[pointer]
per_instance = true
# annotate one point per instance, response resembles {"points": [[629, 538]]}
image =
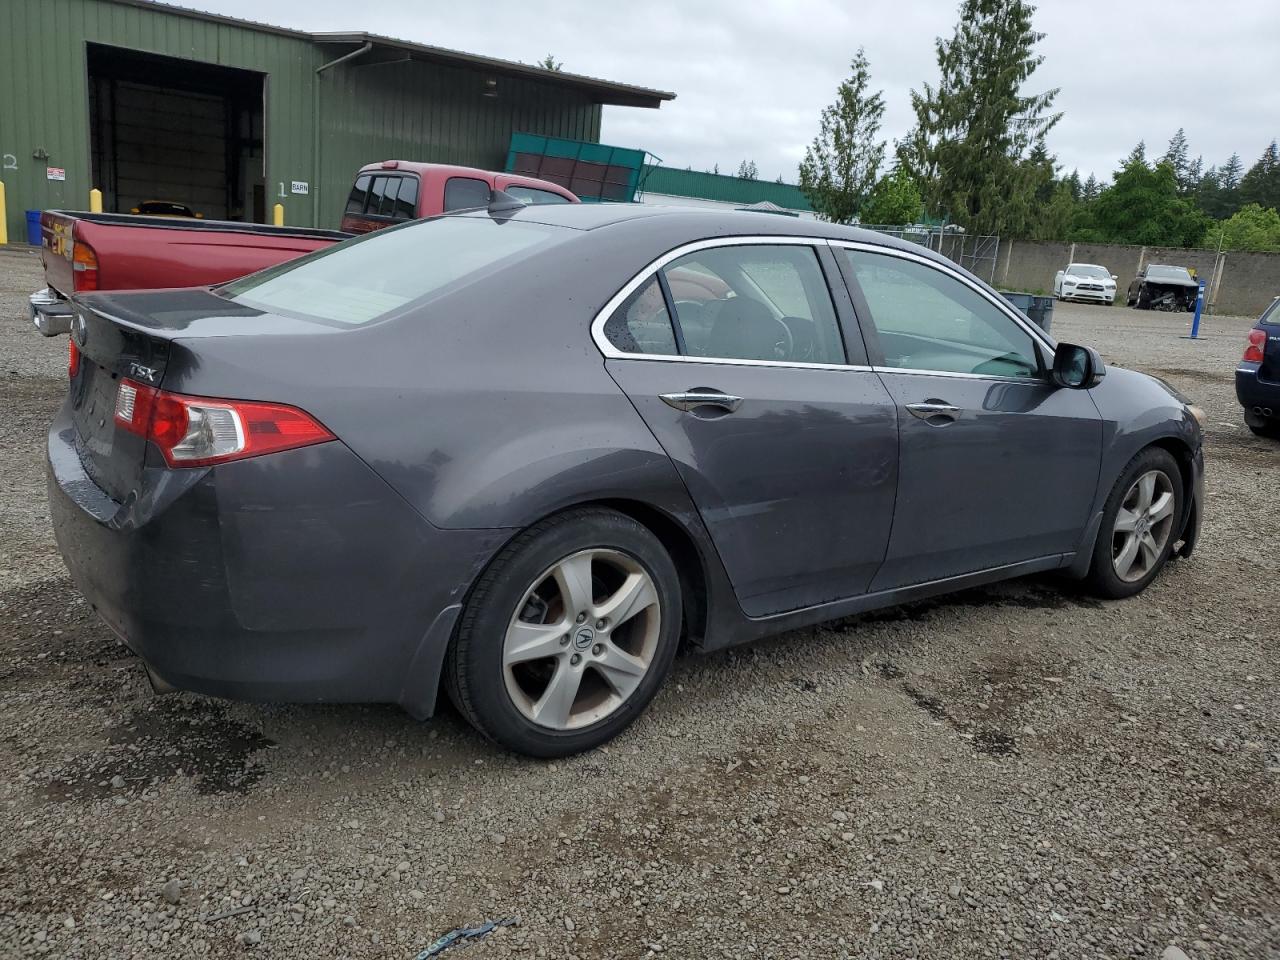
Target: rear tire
{"points": [[567, 635], [1139, 525]]}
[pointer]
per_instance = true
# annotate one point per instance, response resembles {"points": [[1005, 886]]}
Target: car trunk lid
{"points": [[140, 337]]}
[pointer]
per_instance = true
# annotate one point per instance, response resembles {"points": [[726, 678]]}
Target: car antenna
{"points": [[502, 205]]}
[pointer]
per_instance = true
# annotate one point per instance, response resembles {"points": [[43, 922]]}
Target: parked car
{"points": [[527, 450], [110, 251], [1085, 281], [1258, 375], [1162, 287], [165, 208]]}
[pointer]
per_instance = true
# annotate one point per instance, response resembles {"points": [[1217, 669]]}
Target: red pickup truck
{"points": [[114, 251]]}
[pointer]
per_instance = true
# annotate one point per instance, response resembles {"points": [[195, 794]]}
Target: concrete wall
{"points": [[1237, 283]]}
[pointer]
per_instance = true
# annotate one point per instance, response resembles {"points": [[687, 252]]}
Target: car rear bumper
{"points": [[49, 312], [298, 576], [1255, 394]]}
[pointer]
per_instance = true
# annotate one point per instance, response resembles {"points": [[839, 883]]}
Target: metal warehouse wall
{"points": [[412, 110], [424, 111], [45, 99]]}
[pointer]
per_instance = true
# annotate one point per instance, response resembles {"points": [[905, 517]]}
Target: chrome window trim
{"points": [[613, 353], [998, 302]]}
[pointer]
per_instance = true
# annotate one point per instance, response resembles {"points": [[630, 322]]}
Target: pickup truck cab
{"points": [[1258, 375], [396, 190]]}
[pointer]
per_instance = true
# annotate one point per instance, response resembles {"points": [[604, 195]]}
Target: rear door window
{"points": [[755, 302], [465, 193], [642, 324]]}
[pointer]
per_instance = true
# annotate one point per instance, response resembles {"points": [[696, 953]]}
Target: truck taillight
{"points": [[84, 266], [1253, 349], [201, 431], [73, 359]]}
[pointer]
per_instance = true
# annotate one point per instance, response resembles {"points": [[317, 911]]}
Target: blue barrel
{"points": [[33, 227]]}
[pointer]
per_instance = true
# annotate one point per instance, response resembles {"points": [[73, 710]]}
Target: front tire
{"points": [[568, 634], [1139, 525]]}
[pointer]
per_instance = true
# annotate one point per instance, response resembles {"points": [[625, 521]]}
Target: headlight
{"points": [[1197, 412], [1069, 282]]}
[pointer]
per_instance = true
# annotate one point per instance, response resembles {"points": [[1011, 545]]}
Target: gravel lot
{"points": [[1016, 771]]}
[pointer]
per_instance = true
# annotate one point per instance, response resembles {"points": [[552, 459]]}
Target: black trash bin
{"points": [[1039, 310]]}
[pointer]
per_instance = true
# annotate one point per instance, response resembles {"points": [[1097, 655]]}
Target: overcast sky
{"points": [[752, 78]]}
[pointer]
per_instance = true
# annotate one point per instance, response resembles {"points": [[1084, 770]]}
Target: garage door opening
{"points": [[178, 132]]}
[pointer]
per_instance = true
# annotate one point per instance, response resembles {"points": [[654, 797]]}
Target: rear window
{"points": [[369, 277]]}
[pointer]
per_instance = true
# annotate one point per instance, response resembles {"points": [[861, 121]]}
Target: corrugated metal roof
{"points": [[716, 186], [603, 91]]}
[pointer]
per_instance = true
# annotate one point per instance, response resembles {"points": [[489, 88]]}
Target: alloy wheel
{"points": [[582, 639], [1143, 525]]}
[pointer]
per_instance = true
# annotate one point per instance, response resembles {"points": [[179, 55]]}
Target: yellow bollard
{"points": [[277, 214], [4, 224], [95, 200]]}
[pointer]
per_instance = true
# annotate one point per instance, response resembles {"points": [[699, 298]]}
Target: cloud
{"points": [[751, 79]]}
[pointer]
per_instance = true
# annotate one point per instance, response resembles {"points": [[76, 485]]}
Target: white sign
{"points": [[300, 186], [55, 173]]}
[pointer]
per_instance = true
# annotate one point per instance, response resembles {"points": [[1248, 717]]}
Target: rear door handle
{"points": [[701, 397], [934, 411]]}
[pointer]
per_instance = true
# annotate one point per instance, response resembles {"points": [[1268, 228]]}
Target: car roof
{"points": [[423, 169], [698, 222]]}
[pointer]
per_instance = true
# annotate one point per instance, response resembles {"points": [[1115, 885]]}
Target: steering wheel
{"points": [[785, 347]]}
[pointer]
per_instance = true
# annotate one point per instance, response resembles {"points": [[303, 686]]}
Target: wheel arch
{"points": [[1182, 454]]}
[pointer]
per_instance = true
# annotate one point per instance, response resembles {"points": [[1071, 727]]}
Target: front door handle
{"points": [[936, 412], [701, 397]]}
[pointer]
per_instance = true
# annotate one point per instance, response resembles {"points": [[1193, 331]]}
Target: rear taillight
{"points": [[73, 359], [1253, 349], [199, 431], [84, 266]]}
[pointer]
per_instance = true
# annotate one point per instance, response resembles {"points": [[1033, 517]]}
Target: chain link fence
{"points": [[977, 254]]}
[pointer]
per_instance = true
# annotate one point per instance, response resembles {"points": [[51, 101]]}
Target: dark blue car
{"points": [[1258, 375]]}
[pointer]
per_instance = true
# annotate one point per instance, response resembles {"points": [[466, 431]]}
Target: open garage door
{"points": [[177, 131]]}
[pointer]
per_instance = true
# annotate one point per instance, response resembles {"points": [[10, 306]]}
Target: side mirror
{"points": [[1076, 368]]}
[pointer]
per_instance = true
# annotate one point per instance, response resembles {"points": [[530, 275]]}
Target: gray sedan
{"points": [[523, 453]]}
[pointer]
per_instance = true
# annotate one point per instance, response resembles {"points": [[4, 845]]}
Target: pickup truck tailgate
{"points": [[57, 251]]}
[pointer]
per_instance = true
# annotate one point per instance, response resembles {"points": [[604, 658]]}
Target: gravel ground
{"points": [[1016, 771]]}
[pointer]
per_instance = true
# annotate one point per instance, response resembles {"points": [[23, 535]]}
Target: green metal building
{"points": [[148, 101], [665, 185]]}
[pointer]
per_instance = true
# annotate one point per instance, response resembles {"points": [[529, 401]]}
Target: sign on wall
{"points": [[300, 187], [55, 173]]}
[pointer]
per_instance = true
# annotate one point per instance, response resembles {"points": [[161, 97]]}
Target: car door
{"points": [[732, 353], [997, 466]]}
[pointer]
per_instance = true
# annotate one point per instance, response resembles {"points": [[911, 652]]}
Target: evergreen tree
{"points": [[975, 131], [1261, 185], [1073, 184], [1089, 192], [1231, 172], [1137, 155], [1176, 157], [551, 63], [747, 170], [841, 165], [1250, 228], [1195, 171]]}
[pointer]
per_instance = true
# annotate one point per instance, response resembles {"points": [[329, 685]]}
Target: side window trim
{"points": [[613, 353], [1040, 340], [674, 316]]}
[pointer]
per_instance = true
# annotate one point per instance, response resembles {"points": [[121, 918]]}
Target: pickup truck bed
{"points": [[114, 251]]}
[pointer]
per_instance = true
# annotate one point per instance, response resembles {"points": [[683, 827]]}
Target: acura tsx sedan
{"points": [[522, 453]]}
